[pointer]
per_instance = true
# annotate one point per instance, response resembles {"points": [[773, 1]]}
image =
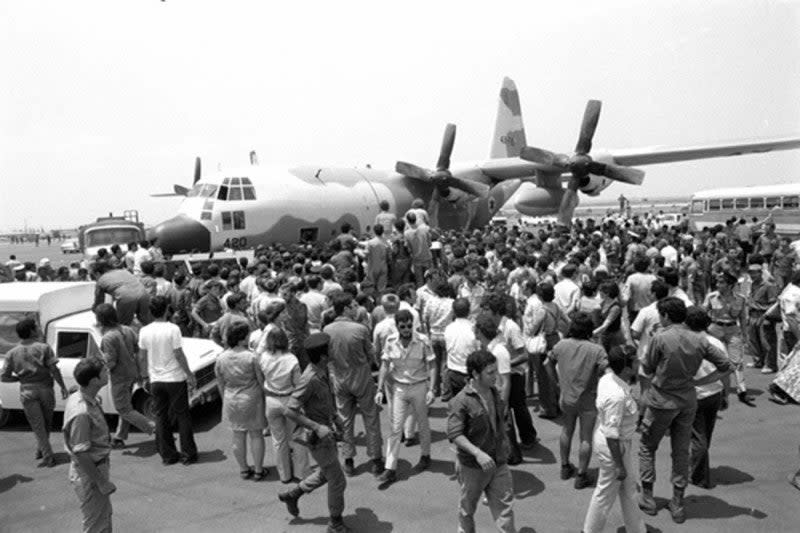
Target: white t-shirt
{"points": [[498, 349], [646, 323], [459, 337], [161, 339], [670, 255]]}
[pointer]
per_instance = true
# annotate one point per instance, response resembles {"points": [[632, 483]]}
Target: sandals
{"points": [[247, 474]]}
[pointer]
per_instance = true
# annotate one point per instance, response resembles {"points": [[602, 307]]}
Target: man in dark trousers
{"points": [[311, 407]]}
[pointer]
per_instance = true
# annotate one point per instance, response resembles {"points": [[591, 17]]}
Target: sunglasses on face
{"points": [[405, 325]]}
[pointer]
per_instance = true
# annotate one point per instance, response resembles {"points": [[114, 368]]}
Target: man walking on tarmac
{"points": [[311, 407], [673, 358]]}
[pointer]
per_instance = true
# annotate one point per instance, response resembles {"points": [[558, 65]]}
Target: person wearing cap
{"points": [[728, 311], [129, 295], [208, 308], [310, 406], [761, 337]]}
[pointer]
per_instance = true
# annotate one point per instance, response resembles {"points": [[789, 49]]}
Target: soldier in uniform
{"points": [[311, 407], [728, 312], [762, 340], [88, 444]]}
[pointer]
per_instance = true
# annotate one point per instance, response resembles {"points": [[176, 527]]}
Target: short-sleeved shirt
{"points": [[580, 364], [408, 364], [161, 339], [31, 363], [281, 370], [647, 322], [315, 303], [498, 349], [724, 309], [481, 424], [616, 408], [514, 341], [636, 290], [313, 396], [85, 429], [460, 341]]}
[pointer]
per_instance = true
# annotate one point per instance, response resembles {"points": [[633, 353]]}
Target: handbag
{"points": [[536, 344]]}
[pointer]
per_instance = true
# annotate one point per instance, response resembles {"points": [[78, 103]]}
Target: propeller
{"points": [[581, 164], [442, 178], [180, 190]]}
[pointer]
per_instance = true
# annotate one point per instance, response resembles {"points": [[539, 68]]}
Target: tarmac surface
{"points": [[753, 452]]}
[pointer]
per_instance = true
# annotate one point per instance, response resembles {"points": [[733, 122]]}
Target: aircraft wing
{"points": [[655, 155], [507, 168]]}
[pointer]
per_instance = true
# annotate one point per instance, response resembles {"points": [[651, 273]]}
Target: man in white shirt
{"points": [[669, 253], [160, 344], [140, 255], [568, 294], [459, 337], [408, 361], [316, 302]]}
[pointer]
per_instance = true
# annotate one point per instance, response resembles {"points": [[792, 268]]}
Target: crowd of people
{"points": [[621, 329]]}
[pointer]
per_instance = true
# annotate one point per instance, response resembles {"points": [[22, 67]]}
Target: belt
{"points": [[725, 323], [276, 395]]}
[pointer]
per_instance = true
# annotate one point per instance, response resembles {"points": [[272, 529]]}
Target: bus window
{"points": [[698, 206], [713, 205], [727, 203], [756, 203], [791, 202], [741, 203], [773, 201]]}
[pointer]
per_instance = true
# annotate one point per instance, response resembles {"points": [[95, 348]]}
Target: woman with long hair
{"points": [[610, 328], [281, 371], [240, 382]]}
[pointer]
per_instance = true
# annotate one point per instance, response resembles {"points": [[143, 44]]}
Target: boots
{"points": [[676, 506], [646, 501], [290, 498]]}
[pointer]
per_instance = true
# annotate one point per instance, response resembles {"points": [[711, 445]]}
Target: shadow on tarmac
{"points": [[7, 483], [363, 520], [526, 485], [539, 454], [728, 475], [705, 506]]}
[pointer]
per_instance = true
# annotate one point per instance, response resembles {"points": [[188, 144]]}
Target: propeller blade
{"points": [[568, 204], [180, 190], [197, 170], [539, 155], [448, 141], [590, 117], [470, 187], [631, 175], [412, 171]]}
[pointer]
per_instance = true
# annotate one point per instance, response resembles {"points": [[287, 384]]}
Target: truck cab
{"points": [[108, 231], [67, 324]]}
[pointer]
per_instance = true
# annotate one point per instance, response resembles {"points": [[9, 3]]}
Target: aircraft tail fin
{"points": [[509, 131]]}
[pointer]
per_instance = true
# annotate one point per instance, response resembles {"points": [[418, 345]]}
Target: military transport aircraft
{"points": [[243, 207]]}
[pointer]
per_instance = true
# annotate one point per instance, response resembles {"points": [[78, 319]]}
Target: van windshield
{"points": [[8, 329], [109, 236]]}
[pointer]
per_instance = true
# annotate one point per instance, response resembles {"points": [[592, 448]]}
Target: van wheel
{"points": [[145, 404], [5, 414]]}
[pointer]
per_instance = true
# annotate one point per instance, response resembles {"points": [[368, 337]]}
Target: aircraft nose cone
{"points": [[182, 234]]}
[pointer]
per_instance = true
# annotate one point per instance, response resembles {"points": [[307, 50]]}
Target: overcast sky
{"points": [[103, 103]]}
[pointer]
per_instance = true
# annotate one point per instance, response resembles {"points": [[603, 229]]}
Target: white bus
{"points": [[714, 207]]}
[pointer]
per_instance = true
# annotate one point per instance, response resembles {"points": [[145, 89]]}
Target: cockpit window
{"points": [[236, 189], [203, 190]]}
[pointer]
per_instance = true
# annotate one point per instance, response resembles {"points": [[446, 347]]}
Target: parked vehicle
{"points": [[67, 324]]}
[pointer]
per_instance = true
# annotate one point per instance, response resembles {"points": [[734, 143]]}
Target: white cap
{"points": [[44, 261]]}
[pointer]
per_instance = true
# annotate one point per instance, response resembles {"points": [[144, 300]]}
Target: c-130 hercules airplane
{"points": [[245, 207]]}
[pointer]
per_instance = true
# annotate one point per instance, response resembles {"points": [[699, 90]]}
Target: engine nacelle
{"points": [[597, 184]]}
